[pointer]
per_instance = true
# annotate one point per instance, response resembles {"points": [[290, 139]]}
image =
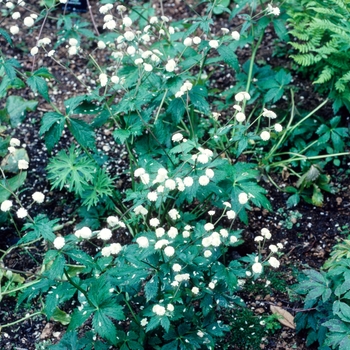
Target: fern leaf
{"points": [[304, 60], [326, 75]]}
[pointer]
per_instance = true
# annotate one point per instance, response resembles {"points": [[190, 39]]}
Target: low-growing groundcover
{"points": [[179, 244]]}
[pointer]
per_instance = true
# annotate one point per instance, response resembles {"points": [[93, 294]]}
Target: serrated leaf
{"points": [[176, 109], [104, 327], [153, 323], [17, 107], [39, 84], [228, 56], [285, 317], [317, 196], [82, 132], [7, 37], [151, 288], [61, 317], [52, 125], [121, 135]]}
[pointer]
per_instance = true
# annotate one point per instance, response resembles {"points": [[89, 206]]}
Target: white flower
{"points": [[110, 25], [73, 42], [240, 117], [241, 96], [139, 171], [173, 232], [131, 50], [85, 232], [273, 10], [103, 79], [146, 38], [105, 234], [224, 30], [112, 220], [38, 197], [177, 137], [197, 40], [147, 67], [170, 66], [231, 214], [257, 267], [258, 238], [227, 204], [115, 79], [186, 234], [278, 127], [104, 9], [182, 277], [120, 8], [14, 30], [16, 15], [106, 251], [235, 35], [203, 180], [115, 248], [214, 44], [200, 334], [177, 267], [215, 239], [160, 189], [273, 248], [237, 108], [188, 42], [269, 114], [174, 214], [21, 213], [280, 245], [266, 233], [152, 196], [73, 50], [154, 222], [169, 251], [274, 262], [207, 253], [186, 86], [6, 205], [101, 45], [59, 242], [144, 178], [170, 307], [160, 232], [233, 239], [162, 174], [209, 226], [140, 210], [127, 21], [159, 310], [224, 233], [51, 53], [195, 290], [209, 173], [28, 21], [153, 20], [242, 198], [164, 18], [265, 135], [206, 242], [174, 283], [171, 184], [23, 164], [211, 285], [144, 322], [142, 242], [129, 36], [188, 181]]}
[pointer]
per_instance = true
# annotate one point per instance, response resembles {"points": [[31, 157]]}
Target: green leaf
{"points": [[176, 109], [72, 103], [7, 37], [228, 56], [39, 84], [165, 323], [61, 317], [151, 288], [82, 132], [104, 327], [52, 125], [293, 200], [153, 323], [73, 170], [10, 162], [79, 317], [42, 227], [198, 96], [317, 196], [17, 107], [121, 135]]}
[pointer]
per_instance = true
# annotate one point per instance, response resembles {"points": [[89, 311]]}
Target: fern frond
{"points": [[305, 59], [340, 86], [346, 77], [326, 75]]}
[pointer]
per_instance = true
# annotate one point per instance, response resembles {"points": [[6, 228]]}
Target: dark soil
{"points": [[307, 232]]}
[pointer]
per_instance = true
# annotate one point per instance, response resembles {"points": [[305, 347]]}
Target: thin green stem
{"points": [[21, 319]]}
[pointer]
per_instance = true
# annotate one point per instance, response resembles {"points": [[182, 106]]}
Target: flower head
{"points": [[140, 210], [159, 310], [38, 197], [142, 242], [154, 222], [242, 198], [169, 251], [274, 262], [6, 205], [257, 267], [21, 213], [213, 44], [59, 242], [23, 164], [105, 234]]}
